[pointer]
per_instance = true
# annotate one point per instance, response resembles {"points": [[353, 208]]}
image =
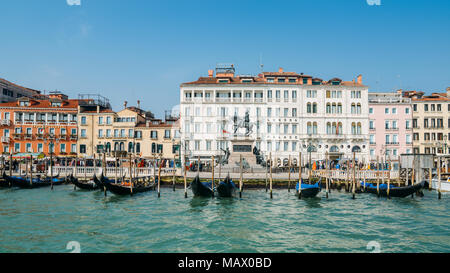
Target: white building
{"points": [[289, 112]]}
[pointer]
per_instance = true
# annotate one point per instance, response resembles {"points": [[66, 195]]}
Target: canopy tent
{"points": [[28, 155]]}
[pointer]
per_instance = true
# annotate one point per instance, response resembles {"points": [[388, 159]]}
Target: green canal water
{"points": [[41, 220]]}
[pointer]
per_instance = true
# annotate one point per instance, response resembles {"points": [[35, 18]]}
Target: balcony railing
{"points": [[17, 136], [73, 137], [5, 122], [28, 136], [5, 139]]}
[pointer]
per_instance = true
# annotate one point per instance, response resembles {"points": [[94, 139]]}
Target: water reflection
{"points": [[313, 202], [198, 202]]}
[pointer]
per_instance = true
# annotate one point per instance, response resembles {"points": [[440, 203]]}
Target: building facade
{"points": [[39, 126], [10, 92], [289, 112], [390, 126], [129, 131], [431, 122]]}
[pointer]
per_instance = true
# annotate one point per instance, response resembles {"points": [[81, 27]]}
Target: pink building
{"points": [[390, 126]]}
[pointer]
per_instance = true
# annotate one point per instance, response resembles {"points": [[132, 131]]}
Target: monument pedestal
{"points": [[242, 146]]}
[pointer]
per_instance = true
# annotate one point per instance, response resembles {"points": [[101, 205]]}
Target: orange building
{"points": [[40, 125]]}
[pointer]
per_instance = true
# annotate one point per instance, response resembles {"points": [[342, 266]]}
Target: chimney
{"points": [[98, 108], [280, 70], [448, 92], [147, 123], [210, 73], [359, 79], [125, 104], [139, 104]]}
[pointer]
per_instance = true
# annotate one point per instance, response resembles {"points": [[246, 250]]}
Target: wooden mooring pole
{"points": [[439, 177], [185, 182], [299, 175], [212, 178], [354, 176], [174, 171], [159, 177], [326, 174], [289, 179], [240, 177], [389, 178], [271, 180]]}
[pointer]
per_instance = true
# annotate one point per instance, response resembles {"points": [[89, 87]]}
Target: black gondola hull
{"points": [[226, 188], [119, 189], [309, 193], [400, 192], [199, 189], [24, 183], [84, 185]]}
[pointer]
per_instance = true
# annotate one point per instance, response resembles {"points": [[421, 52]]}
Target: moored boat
{"points": [[124, 188], [394, 191], [25, 183], [226, 188], [445, 185], [308, 190], [88, 185], [201, 188]]}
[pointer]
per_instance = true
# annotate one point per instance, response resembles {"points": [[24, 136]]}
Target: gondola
{"points": [[308, 190], [394, 191], [226, 188], [123, 189], [89, 185], [24, 183], [201, 188], [4, 183]]}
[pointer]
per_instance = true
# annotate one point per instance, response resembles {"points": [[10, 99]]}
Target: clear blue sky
{"points": [[142, 49]]}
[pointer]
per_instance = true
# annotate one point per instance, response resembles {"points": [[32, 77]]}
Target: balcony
{"points": [[62, 137], [5, 122], [73, 137], [392, 143], [5, 139], [28, 136], [17, 136], [39, 136]]}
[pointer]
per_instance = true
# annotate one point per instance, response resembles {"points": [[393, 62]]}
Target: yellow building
{"points": [[129, 131]]}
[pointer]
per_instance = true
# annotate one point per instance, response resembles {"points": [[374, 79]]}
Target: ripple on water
{"points": [[41, 220]]}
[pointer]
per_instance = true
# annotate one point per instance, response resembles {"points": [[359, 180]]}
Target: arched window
{"points": [[154, 148], [340, 131], [334, 128], [356, 149], [108, 147], [334, 149], [358, 128], [308, 107], [138, 147], [329, 130], [315, 128], [116, 146], [353, 128], [314, 108], [122, 146], [339, 108], [353, 111], [328, 108], [309, 128], [358, 108], [333, 109], [130, 147]]}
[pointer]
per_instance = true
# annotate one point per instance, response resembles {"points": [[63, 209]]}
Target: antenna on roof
{"points": [[261, 65]]}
